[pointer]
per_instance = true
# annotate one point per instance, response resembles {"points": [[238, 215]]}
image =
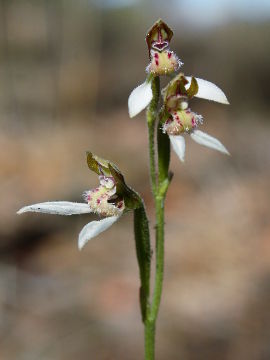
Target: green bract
{"points": [[176, 92]]}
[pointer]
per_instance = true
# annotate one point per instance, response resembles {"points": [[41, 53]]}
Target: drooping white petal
{"points": [[94, 228], [58, 208], [209, 91], [202, 138], [179, 145], [139, 98]]}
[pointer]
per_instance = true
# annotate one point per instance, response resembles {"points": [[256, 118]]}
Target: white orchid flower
{"points": [[180, 120], [142, 95], [163, 61], [97, 203], [104, 201]]}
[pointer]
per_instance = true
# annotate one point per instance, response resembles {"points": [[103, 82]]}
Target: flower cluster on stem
{"points": [[168, 123], [176, 118]]}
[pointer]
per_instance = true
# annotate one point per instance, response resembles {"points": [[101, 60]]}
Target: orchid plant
{"points": [[168, 121]]}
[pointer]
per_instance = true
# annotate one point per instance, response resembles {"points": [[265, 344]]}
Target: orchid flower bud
{"points": [[163, 61]]}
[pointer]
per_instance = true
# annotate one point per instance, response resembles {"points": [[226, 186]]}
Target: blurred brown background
{"points": [[66, 70]]}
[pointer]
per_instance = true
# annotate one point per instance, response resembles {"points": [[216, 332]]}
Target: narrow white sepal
{"points": [[209, 91], [57, 208], [139, 98], [202, 138], [94, 228], [179, 145]]}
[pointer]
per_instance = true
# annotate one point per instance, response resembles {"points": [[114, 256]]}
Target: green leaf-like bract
{"points": [[97, 164], [163, 154], [143, 250], [131, 198], [193, 88]]}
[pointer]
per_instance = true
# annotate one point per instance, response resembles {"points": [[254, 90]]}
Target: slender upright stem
{"points": [[152, 164], [149, 339], [159, 183], [150, 323], [151, 116], [159, 203]]}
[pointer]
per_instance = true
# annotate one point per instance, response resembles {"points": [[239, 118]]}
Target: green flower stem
{"points": [[151, 136], [150, 323], [149, 339], [159, 202], [151, 116], [159, 191]]}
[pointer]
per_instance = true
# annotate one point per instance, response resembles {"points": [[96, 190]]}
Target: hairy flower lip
{"points": [[182, 121], [163, 62]]}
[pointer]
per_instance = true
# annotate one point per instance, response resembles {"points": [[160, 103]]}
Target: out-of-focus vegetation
{"points": [[66, 69]]}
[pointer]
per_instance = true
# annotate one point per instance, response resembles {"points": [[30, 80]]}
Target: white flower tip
{"points": [[81, 245], [94, 228], [202, 138], [22, 210], [209, 91], [139, 98], [223, 99], [179, 145]]}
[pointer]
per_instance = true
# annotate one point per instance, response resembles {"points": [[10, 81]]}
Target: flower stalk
{"points": [[151, 116], [160, 182]]}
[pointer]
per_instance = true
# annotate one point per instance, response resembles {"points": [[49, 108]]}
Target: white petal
{"points": [[94, 228], [179, 145], [58, 208], [139, 98], [209, 91], [204, 139]]}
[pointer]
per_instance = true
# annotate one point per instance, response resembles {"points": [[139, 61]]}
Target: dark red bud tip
{"points": [[159, 36]]}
